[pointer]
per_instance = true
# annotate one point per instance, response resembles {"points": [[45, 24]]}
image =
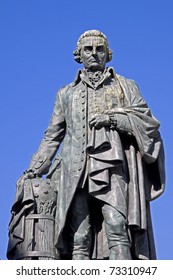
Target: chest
{"points": [[95, 101], [102, 100]]}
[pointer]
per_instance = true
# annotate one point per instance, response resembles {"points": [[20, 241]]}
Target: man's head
{"points": [[93, 50]]}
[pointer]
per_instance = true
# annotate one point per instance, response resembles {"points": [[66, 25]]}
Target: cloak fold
{"points": [[24, 203], [142, 187]]}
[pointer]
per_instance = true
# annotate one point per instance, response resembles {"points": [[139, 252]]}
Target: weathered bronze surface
{"points": [[95, 200]]}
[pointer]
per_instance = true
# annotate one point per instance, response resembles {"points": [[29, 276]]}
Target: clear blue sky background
{"points": [[37, 38]]}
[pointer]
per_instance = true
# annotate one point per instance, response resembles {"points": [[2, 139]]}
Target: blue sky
{"points": [[38, 38]]}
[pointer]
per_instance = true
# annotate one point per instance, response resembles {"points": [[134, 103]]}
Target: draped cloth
{"points": [[142, 154], [24, 203], [105, 151], [33, 196]]}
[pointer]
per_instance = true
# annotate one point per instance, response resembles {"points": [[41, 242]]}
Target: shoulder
{"points": [[65, 88], [131, 90], [130, 87], [70, 86], [129, 82], [64, 91]]}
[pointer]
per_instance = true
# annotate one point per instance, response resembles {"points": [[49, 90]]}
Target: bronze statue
{"points": [[109, 168]]}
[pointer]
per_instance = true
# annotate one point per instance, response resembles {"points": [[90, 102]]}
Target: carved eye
{"points": [[100, 49], [88, 49]]}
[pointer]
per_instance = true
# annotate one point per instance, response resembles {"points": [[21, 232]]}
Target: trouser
{"points": [[81, 228]]}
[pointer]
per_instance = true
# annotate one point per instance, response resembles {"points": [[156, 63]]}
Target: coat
{"points": [[141, 145]]}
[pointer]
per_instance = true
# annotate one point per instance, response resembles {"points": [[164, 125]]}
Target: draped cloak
{"points": [[135, 144]]}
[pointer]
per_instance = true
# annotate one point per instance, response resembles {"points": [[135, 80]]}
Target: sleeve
{"points": [[119, 118], [121, 123], [136, 119], [51, 141]]}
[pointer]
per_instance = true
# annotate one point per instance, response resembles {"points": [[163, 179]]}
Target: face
{"points": [[94, 53]]}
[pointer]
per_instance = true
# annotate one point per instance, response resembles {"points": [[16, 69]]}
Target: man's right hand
{"points": [[25, 176], [99, 121]]}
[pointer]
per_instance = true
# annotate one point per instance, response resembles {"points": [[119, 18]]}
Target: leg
{"points": [[116, 231], [80, 226]]}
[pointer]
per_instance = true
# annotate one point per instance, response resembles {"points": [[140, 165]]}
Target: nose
{"points": [[94, 51]]}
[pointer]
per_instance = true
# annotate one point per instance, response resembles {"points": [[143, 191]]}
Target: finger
{"points": [[92, 123], [98, 125], [31, 175], [92, 119]]}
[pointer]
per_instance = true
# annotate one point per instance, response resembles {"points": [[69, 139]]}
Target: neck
{"points": [[95, 70], [94, 76]]}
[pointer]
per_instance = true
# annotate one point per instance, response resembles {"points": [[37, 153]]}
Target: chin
{"points": [[95, 67]]}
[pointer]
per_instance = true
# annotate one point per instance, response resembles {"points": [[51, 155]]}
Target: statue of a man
{"points": [[110, 165]]}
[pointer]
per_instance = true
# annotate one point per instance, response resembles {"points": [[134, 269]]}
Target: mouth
{"points": [[94, 61]]}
